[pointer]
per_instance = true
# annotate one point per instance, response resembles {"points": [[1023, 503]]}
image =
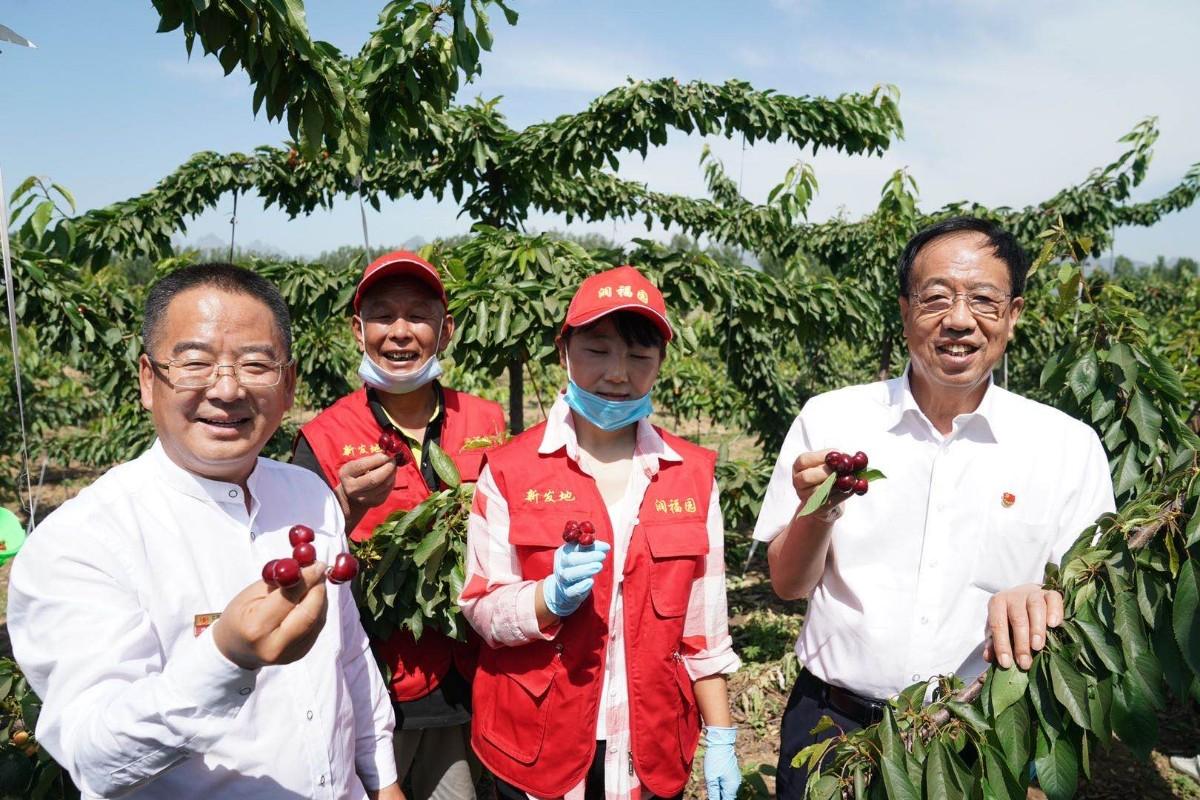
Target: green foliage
{"points": [[413, 566], [509, 294], [743, 485], [407, 69], [766, 636], [1106, 373], [26, 770]]}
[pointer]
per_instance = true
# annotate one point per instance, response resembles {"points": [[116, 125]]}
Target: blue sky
{"points": [[1003, 102]]}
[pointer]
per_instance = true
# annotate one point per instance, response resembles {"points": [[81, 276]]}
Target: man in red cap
{"points": [[401, 324]]}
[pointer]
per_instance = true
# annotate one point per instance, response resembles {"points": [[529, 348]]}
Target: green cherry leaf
{"points": [[819, 496]]}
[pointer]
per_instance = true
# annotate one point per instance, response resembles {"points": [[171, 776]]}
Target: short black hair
{"points": [[632, 327], [219, 275], [1004, 246]]}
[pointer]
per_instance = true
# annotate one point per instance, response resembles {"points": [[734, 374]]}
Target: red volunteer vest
{"points": [[347, 430], [536, 705]]}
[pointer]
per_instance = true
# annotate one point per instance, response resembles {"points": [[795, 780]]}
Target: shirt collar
{"points": [[988, 415], [385, 421], [193, 485], [648, 451]]}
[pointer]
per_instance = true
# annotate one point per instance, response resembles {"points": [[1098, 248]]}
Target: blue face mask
{"points": [[383, 380], [608, 415]]}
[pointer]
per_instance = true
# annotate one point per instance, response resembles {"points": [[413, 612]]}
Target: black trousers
{"points": [[805, 707], [593, 788]]}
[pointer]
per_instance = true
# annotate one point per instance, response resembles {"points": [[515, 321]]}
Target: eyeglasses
{"points": [[194, 373], [982, 306]]}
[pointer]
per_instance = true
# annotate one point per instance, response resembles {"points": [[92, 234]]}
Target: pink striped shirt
{"points": [[499, 604]]}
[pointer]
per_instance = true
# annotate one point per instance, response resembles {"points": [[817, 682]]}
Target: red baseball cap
{"points": [[618, 289], [400, 262]]}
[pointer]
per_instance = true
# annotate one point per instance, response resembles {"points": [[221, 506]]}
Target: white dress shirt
{"points": [[912, 564], [103, 606]]}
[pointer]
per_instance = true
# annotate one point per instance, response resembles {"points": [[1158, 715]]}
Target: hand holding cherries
{"points": [[848, 475], [285, 572]]}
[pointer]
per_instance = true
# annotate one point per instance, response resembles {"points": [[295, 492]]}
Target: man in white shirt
{"points": [[167, 668], [938, 568]]}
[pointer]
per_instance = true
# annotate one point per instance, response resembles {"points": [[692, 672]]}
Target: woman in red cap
{"points": [[401, 324], [596, 578]]}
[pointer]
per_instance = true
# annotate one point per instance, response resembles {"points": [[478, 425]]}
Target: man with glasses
{"points": [[938, 568], [401, 324], [165, 664]]}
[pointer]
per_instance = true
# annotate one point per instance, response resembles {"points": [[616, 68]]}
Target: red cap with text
{"points": [[618, 289], [400, 263]]}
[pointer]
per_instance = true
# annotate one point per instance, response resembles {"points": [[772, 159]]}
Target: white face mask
{"points": [[384, 380]]}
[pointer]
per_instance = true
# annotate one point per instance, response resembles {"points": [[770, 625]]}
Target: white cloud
{"points": [[565, 65], [753, 56], [1010, 121]]}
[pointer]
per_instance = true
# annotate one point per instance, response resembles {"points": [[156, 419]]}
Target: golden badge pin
{"points": [[1007, 499], [202, 621]]}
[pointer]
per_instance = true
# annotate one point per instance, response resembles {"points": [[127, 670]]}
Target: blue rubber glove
{"points": [[571, 583], [721, 771]]}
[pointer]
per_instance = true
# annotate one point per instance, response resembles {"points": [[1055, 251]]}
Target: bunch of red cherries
{"points": [[845, 465], [392, 443], [582, 532], [285, 572]]}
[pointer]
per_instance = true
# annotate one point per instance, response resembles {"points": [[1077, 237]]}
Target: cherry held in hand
{"points": [[301, 534], [344, 568], [304, 553], [287, 572]]}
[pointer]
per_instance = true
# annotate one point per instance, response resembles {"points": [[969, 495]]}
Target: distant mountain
{"points": [[211, 243], [1106, 263]]}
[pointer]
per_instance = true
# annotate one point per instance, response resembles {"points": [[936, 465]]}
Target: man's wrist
{"points": [[827, 516], [831, 514]]}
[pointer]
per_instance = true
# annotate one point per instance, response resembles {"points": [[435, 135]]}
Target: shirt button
{"points": [[233, 492], [558, 646], [322, 780], [310, 714], [932, 564], [916, 677], [245, 690], [924, 620]]}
